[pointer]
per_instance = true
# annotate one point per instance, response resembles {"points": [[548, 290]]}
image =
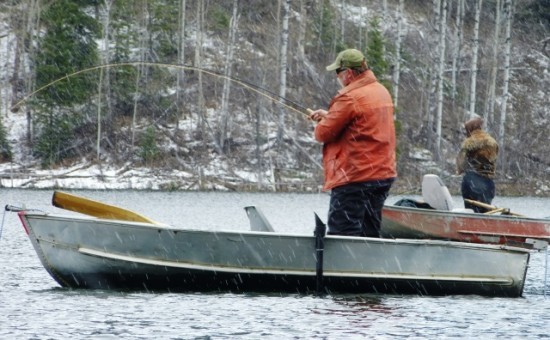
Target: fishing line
{"points": [[250, 86]]}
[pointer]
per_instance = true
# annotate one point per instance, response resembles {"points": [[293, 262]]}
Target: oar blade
{"points": [[90, 207]]}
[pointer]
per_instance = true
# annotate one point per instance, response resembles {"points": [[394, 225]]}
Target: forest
{"points": [[220, 89]]}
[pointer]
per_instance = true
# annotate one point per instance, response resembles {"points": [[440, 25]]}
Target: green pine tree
{"points": [[376, 57], [5, 148], [149, 150], [67, 47]]}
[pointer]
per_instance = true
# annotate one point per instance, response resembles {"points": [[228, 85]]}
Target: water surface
{"points": [[33, 306]]}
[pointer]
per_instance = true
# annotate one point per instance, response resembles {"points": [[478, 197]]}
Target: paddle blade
{"points": [[90, 207]]}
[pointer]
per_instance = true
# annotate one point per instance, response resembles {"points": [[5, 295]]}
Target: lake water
{"points": [[33, 306]]}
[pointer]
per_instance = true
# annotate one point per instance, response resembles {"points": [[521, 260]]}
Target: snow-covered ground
{"points": [[94, 177]]}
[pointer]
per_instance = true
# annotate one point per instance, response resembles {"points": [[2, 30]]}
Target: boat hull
{"points": [[105, 254], [409, 222]]}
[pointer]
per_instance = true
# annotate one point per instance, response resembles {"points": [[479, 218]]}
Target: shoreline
{"points": [[167, 183]]}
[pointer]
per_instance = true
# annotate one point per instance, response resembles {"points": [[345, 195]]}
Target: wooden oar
{"points": [[94, 208], [491, 208], [504, 211]]}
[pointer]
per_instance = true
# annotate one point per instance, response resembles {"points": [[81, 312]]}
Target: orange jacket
{"points": [[358, 134]]}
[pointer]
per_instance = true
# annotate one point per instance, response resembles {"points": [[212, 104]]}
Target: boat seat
{"points": [[258, 221], [437, 195]]}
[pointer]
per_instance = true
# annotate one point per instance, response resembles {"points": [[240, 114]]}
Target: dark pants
{"points": [[478, 188], [356, 208]]}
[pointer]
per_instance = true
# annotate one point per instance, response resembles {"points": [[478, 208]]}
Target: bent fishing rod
{"points": [[296, 107]]}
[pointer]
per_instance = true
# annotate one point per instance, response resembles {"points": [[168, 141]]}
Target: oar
{"points": [[491, 208], [97, 209], [504, 211]]}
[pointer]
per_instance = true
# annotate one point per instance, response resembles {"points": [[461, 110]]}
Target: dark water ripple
{"points": [[32, 306]]}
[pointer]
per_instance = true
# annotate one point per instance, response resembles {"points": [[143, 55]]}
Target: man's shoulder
{"points": [[479, 139]]}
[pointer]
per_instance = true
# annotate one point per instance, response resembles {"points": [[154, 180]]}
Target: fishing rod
{"points": [[250, 86]]}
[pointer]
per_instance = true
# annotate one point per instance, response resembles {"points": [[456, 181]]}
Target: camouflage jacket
{"points": [[479, 154]]}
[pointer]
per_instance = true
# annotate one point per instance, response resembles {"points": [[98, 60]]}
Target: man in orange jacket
{"points": [[358, 137]]}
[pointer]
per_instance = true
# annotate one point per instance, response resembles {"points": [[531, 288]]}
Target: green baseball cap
{"points": [[347, 58]]}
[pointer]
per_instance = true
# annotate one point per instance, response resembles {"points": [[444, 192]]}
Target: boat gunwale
{"points": [[397, 214], [464, 214], [355, 239]]}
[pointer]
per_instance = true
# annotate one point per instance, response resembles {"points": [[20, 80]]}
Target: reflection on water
{"points": [[33, 306], [361, 311], [353, 305]]}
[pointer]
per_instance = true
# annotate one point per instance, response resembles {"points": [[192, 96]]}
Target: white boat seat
{"points": [[435, 193]]}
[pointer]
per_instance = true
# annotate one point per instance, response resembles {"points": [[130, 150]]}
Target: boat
{"points": [[435, 218], [422, 223], [116, 249]]}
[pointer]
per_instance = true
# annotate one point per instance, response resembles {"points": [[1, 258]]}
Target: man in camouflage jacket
{"points": [[477, 161]]}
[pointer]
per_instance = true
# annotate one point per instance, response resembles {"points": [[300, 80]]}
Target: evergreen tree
{"points": [[67, 47], [376, 57], [56, 141], [149, 150], [5, 148], [378, 63]]}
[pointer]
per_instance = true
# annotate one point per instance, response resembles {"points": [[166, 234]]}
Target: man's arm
{"points": [[331, 124]]}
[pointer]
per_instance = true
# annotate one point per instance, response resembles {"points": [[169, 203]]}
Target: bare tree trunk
{"points": [[33, 19], [278, 55], [257, 151], [98, 138], [107, 59], [363, 32], [490, 104], [224, 115], [102, 71], [142, 27], [302, 33], [342, 20], [436, 10], [18, 26], [457, 46], [181, 60], [283, 67], [505, 94], [443, 30], [335, 31], [397, 68], [473, 79], [301, 64], [433, 76], [198, 54]]}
